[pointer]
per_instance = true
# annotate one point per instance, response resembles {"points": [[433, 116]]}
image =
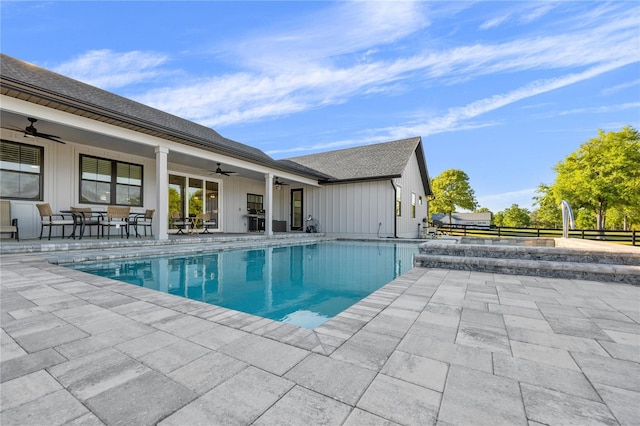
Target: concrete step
{"points": [[629, 274], [550, 254]]}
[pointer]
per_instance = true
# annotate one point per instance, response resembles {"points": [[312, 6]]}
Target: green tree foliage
{"points": [[451, 189], [498, 219], [549, 213], [585, 219], [175, 202], [195, 203], [516, 217], [602, 174]]}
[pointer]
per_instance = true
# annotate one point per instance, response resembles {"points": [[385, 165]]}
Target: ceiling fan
{"points": [[31, 131], [219, 171], [279, 183]]}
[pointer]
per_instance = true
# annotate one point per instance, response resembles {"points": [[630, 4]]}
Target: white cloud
{"points": [[455, 116], [494, 22], [523, 13], [347, 28], [108, 70], [341, 54], [602, 109], [619, 87]]}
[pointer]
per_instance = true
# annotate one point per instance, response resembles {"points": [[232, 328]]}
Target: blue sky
{"points": [[500, 90]]}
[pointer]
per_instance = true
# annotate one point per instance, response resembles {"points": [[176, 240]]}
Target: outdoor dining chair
{"points": [[47, 218], [8, 225], [143, 219], [116, 217], [204, 220], [179, 222], [88, 219]]}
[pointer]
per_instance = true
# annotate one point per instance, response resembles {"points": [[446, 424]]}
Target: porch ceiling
{"points": [[199, 164]]}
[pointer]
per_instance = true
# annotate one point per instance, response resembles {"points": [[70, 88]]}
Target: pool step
{"points": [[553, 262], [553, 254]]}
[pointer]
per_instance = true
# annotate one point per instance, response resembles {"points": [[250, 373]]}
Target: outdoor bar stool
{"points": [[117, 217], [47, 219]]}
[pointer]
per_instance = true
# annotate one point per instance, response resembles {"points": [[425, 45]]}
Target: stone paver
{"points": [[435, 346], [334, 378]]}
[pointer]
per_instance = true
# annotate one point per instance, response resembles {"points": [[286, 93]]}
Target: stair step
{"points": [[552, 254], [629, 274]]}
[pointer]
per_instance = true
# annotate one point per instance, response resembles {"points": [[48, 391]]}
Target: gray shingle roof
{"points": [[31, 83], [380, 160]]}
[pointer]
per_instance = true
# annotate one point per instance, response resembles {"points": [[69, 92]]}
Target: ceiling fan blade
{"points": [[50, 137], [219, 171]]}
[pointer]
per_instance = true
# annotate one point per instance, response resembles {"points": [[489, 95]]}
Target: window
{"points": [[413, 205], [21, 171], [113, 182], [398, 200], [254, 203]]}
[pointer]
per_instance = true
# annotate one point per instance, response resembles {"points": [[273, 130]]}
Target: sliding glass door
{"points": [[189, 196]]}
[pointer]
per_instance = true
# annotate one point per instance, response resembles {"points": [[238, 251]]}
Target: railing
{"points": [[614, 236], [567, 218]]}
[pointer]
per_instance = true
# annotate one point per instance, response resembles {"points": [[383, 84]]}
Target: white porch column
{"points": [[268, 214], [162, 194]]}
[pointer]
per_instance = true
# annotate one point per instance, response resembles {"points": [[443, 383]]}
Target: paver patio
{"points": [[433, 346]]}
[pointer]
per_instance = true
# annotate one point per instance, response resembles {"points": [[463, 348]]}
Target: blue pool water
{"points": [[301, 284]]}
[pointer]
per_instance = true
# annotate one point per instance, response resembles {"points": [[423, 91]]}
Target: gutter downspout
{"points": [[395, 219]]}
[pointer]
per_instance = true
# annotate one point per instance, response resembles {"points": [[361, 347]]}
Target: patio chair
{"points": [[204, 220], [88, 219], [47, 219], [117, 217], [179, 222], [143, 219], [6, 223]]}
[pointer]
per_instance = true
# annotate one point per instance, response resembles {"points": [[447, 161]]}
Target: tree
{"points": [[498, 219], [451, 189], [175, 202], [602, 174], [516, 217], [585, 219], [549, 214]]}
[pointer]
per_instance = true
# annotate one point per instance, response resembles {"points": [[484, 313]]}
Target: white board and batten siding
{"points": [[355, 209], [367, 209], [411, 182]]}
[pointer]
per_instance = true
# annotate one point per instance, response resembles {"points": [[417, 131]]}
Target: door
{"points": [[297, 221]]}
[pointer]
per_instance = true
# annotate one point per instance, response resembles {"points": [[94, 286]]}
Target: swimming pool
{"points": [[303, 285]]}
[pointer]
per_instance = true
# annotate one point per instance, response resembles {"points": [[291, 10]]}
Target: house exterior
{"points": [[92, 148], [463, 219]]}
